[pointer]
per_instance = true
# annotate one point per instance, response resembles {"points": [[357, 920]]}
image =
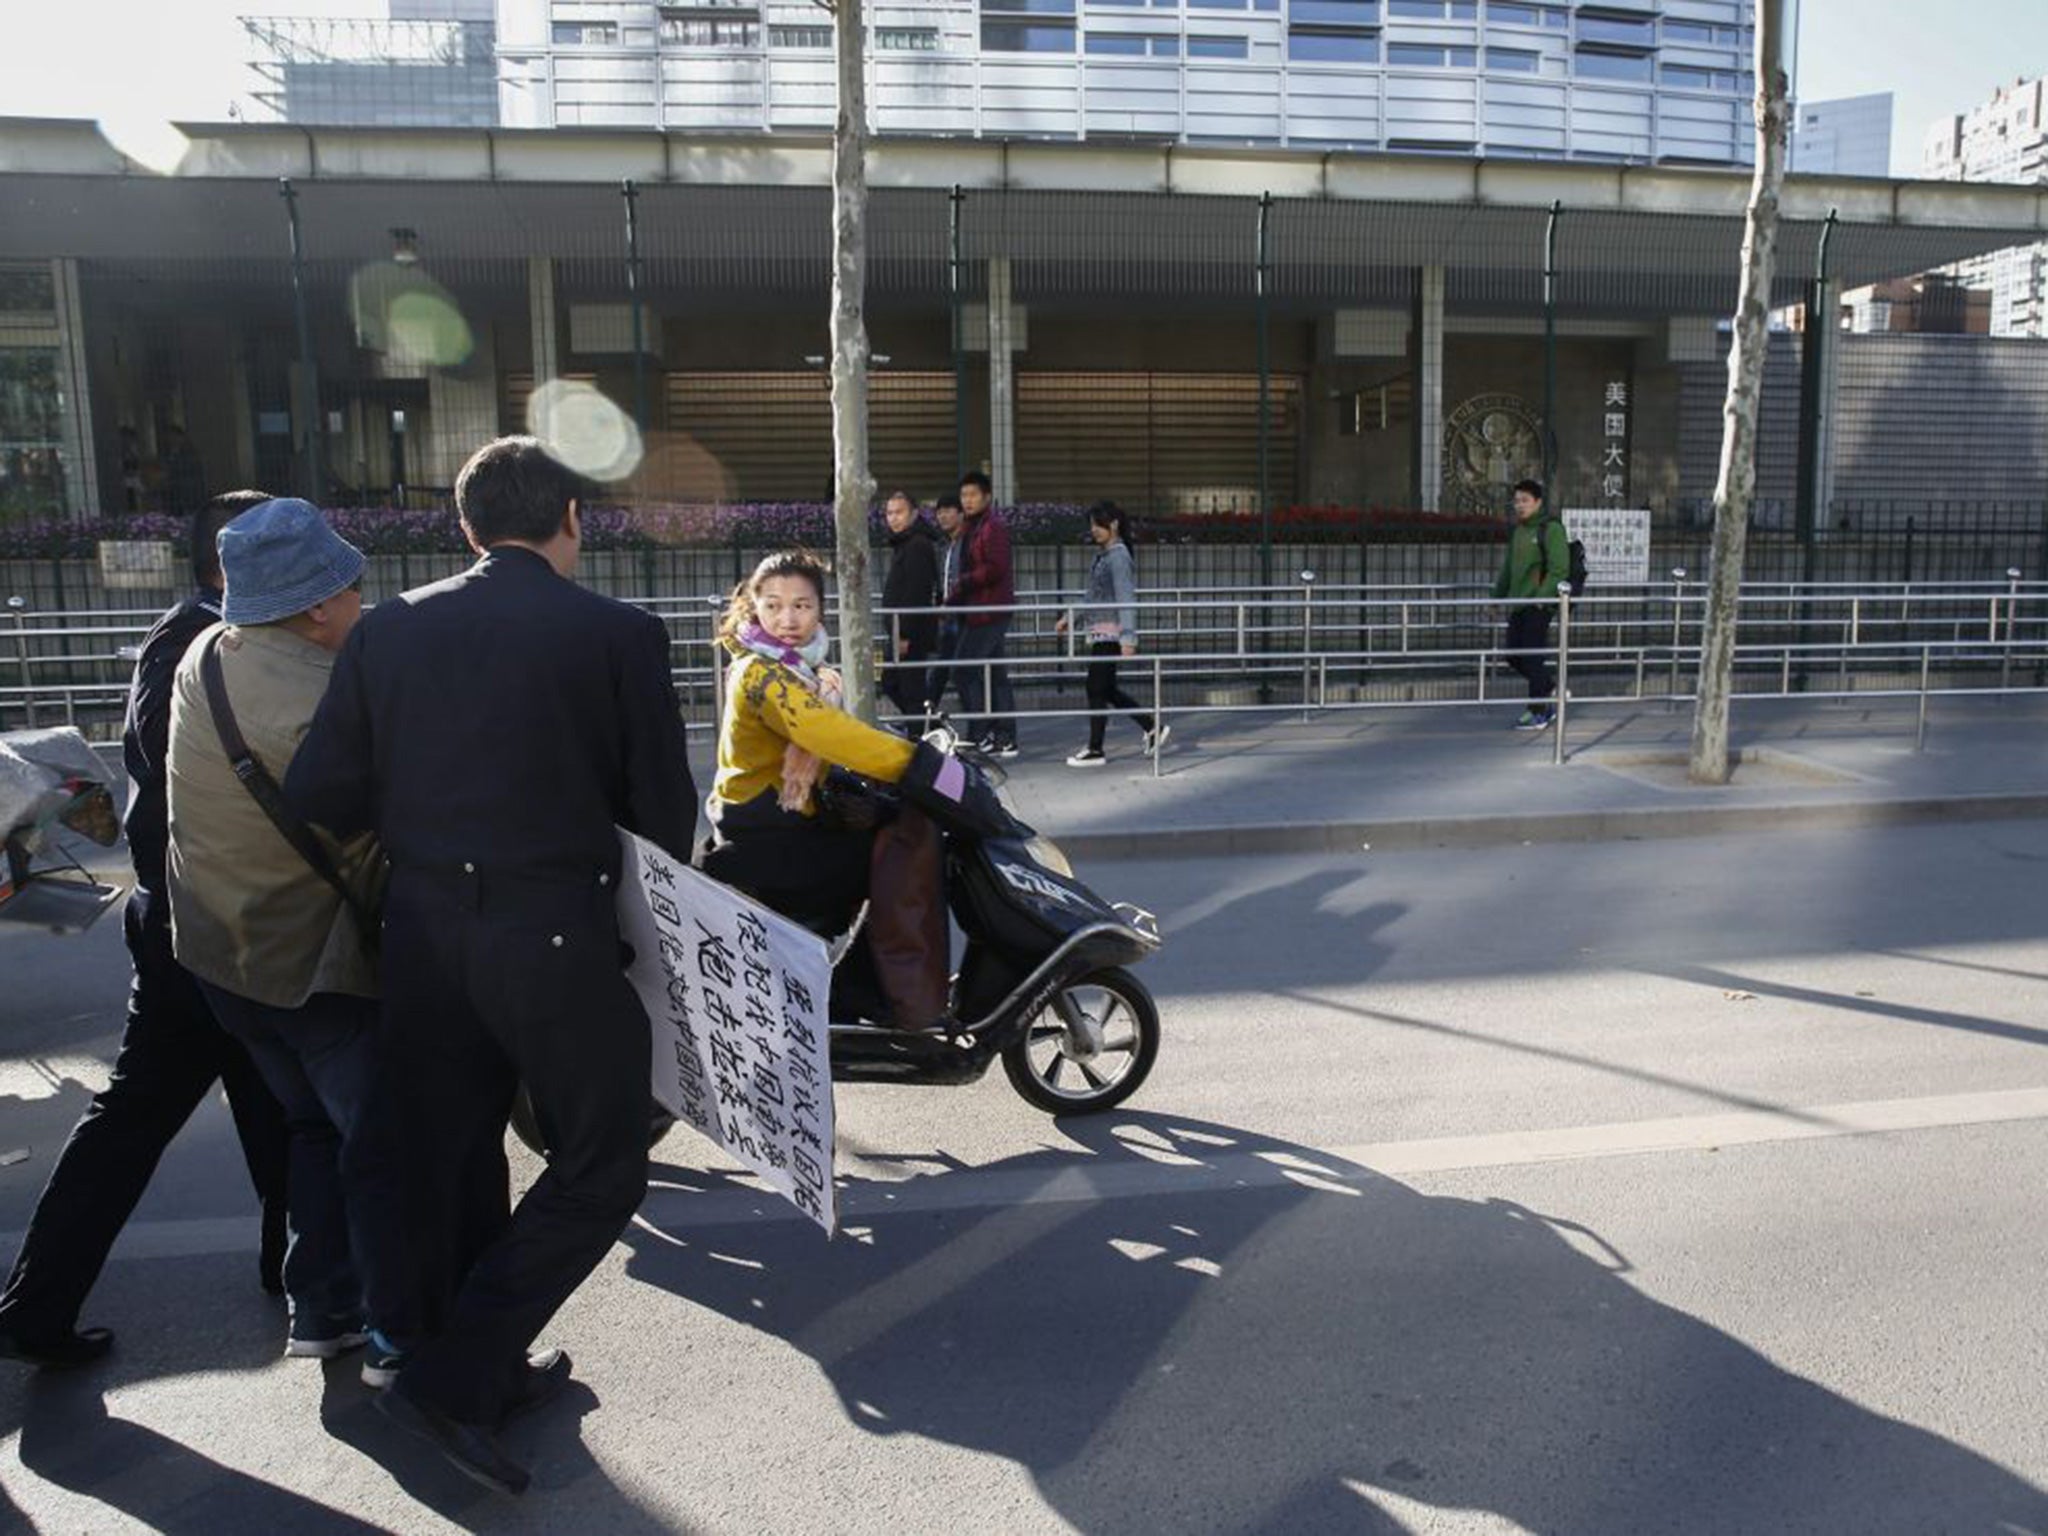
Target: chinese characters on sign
{"points": [[1614, 446], [1617, 541], [735, 997]]}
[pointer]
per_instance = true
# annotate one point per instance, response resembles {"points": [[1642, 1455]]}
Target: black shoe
{"points": [[470, 1449], [58, 1351], [546, 1374]]}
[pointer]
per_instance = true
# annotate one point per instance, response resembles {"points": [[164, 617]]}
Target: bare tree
{"points": [[853, 483], [1736, 489]]}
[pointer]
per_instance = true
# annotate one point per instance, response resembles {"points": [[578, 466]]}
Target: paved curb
{"points": [[1559, 827]]}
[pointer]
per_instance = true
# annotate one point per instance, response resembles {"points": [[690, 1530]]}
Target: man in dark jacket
{"points": [[912, 582], [492, 729], [986, 594], [172, 1051]]}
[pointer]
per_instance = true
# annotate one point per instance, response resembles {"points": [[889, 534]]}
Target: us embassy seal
{"points": [[1490, 442]]}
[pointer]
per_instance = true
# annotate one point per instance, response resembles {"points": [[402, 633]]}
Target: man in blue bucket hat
{"points": [[275, 920]]}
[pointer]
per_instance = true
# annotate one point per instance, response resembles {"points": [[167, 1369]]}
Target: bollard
{"points": [[1564, 669]]}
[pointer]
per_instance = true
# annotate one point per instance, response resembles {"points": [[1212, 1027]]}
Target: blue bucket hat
{"points": [[280, 558]]}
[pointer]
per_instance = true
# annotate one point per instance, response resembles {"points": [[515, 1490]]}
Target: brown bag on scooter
{"points": [[906, 927]]}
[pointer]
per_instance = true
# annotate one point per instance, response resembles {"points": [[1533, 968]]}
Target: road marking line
{"points": [[1219, 1162]]}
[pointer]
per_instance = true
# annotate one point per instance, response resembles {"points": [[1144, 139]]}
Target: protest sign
{"points": [[1617, 541], [736, 996]]}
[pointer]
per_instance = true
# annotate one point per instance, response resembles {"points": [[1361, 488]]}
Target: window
{"points": [[1689, 77], [800, 37], [701, 32], [586, 34], [1513, 61], [1434, 10], [1362, 13], [1512, 13], [1697, 34], [907, 39], [1214, 47], [1027, 37], [1309, 46], [1031, 7], [1431, 56], [1231, 5], [1635, 31], [1133, 44], [1612, 66]]}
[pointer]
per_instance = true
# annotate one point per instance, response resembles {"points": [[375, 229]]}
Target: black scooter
{"points": [[1042, 984]]}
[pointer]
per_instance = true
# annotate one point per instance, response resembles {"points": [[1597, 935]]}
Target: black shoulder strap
{"points": [[1543, 547], [263, 788]]}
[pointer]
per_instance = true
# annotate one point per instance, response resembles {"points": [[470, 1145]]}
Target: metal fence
{"points": [[1310, 647]]}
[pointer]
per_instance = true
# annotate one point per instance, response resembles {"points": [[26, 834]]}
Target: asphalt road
{"points": [[1624, 1187]]}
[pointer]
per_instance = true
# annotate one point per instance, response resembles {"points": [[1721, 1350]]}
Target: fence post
{"points": [[2012, 605], [1677, 632], [1564, 669], [1158, 712], [1308, 637], [15, 606], [1920, 728]]}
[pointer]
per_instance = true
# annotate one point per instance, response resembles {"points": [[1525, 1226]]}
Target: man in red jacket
{"points": [[987, 583]]}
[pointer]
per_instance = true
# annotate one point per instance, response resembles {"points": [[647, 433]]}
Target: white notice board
{"points": [[1617, 542]]}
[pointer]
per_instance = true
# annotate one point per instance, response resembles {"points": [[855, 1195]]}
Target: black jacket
{"points": [[505, 719], [146, 735], [913, 582]]}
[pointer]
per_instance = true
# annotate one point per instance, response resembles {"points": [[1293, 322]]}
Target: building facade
{"points": [[1850, 136], [2003, 140], [1625, 80]]}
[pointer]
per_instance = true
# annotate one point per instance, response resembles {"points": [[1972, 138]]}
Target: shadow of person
{"points": [[1187, 1327], [68, 1438]]}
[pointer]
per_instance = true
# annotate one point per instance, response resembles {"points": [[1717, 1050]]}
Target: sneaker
{"points": [[1155, 741], [382, 1362], [328, 1346], [1087, 757], [1004, 749], [1529, 720]]}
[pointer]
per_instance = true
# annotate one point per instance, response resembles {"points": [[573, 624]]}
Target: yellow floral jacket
{"points": [[766, 709]]}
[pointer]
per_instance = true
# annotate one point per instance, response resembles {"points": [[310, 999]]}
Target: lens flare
{"points": [[584, 430], [150, 142], [400, 311]]}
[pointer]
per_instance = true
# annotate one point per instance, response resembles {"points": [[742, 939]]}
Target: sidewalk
{"points": [[1459, 777]]}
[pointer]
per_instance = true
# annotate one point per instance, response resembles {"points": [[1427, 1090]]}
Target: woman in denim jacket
{"points": [[1109, 611]]}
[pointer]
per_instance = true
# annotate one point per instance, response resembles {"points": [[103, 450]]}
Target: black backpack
{"points": [[1576, 572]]}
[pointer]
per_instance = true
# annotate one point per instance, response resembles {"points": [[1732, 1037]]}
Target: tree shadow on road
{"points": [[1182, 1326]]}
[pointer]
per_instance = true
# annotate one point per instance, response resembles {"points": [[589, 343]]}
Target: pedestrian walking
{"points": [[912, 583], [494, 729], [1108, 616], [275, 922], [986, 595], [1537, 558], [172, 1050]]}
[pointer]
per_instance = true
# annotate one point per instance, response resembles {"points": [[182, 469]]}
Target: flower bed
{"points": [[769, 525]]}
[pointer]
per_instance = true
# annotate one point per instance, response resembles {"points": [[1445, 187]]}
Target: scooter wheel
{"points": [[526, 1125], [1091, 1049]]}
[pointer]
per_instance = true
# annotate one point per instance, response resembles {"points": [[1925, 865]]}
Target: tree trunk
{"points": [[853, 485], [1736, 488]]}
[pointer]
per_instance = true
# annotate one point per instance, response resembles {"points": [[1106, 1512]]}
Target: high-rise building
{"points": [[1608, 79], [1850, 136], [430, 63], [2004, 139]]}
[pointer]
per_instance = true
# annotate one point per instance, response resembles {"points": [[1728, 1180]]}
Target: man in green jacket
{"points": [[1538, 557]]}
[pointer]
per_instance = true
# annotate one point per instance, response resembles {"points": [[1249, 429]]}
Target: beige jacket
{"points": [[247, 912]]}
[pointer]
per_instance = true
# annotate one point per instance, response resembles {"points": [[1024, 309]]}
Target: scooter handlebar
{"points": [[956, 795]]}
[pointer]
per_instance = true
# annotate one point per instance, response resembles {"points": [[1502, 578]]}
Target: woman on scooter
{"points": [[782, 731]]}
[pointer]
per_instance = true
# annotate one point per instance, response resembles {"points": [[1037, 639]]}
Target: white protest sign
{"points": [[736, 996], [135, 565], [1617, 541]]}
